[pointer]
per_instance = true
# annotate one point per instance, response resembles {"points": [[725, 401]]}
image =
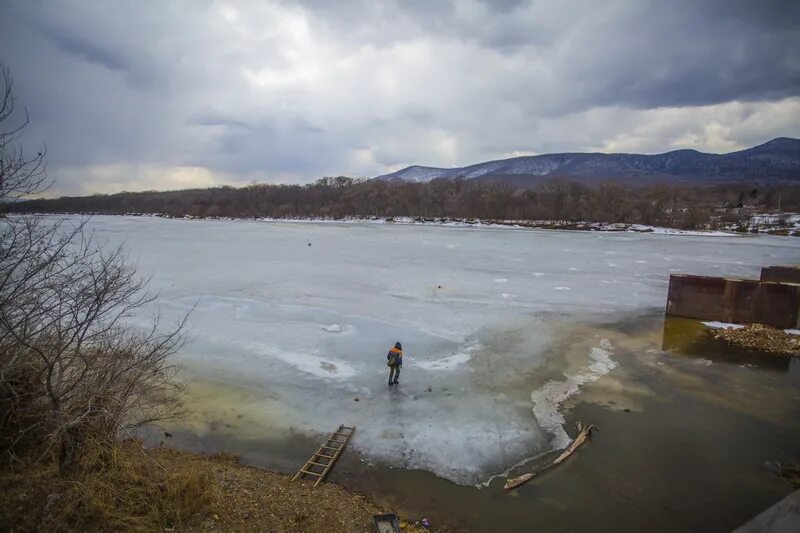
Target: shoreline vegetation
{"points": [[131, 488], [786, 224], [556, 204]]}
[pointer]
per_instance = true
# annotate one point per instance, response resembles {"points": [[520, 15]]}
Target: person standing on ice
{"points": [[394, 361]]}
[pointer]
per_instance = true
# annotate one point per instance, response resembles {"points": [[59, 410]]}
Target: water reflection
{"points": [[690, 338]]}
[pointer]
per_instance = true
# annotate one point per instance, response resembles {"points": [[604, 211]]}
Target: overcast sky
{"points": [[157, 95]]}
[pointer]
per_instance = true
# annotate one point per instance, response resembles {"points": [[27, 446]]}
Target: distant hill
{"points": [[776, 160]]}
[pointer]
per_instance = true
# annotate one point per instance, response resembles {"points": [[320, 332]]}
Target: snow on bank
{"points": [[451, 222], [789, 221], [725, 325], [722, 325], [548, 399], [509, 224], [672, 231]]}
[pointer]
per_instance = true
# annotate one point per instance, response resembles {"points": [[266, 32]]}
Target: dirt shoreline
{"points": [[251, 498], [223, 495]]}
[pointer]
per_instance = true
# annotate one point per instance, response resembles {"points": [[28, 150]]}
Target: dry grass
{"points": [[130, 489], [121, 490]]}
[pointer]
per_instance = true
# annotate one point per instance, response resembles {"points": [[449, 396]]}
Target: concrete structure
{"points": [[735, 300], [781, 274]]}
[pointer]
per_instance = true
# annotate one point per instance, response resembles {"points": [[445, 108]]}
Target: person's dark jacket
{"points": [[395, 355]]}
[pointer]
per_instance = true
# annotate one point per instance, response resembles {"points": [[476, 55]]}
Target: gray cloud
{"points": [[288, 91]]}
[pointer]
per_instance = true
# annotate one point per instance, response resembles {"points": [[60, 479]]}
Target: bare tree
{"points": [[20, 175], [72, 367]]}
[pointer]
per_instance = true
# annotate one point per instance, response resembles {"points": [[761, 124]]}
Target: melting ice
{"points": [[311, 325]]}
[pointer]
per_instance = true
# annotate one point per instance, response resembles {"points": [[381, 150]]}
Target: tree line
{"points": [[679, 206]]}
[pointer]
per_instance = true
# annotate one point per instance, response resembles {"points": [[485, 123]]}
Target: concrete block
{"points": [[784, 274], [700, 297], [778, 305], [742, 301]]}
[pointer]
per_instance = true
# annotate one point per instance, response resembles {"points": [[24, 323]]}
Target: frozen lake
{"points": [[304, 313]]}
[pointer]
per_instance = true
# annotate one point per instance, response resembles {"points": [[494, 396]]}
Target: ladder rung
{"points": [[345, 432]]}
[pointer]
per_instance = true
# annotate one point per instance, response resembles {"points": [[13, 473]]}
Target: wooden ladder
{"points": [[322, 461]]}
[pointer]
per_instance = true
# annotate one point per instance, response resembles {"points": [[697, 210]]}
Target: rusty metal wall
{"points": [[778, 303], [734, 300], [741, 301], [696, 297], [784, 274]]}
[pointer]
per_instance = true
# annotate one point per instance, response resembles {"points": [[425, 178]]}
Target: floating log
{"points": [[517, 481], [584, 433]]}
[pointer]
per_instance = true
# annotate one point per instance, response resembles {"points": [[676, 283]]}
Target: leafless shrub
{"points": [[72, 366], [20, 174]]}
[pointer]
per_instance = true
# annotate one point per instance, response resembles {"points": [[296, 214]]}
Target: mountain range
{"points": [[776, 160]]}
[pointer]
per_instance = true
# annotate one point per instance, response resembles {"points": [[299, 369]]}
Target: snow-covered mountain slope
{"points": [[776, 159]]}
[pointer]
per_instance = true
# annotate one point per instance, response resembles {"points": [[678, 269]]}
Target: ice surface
{"points": [[311, 325]]}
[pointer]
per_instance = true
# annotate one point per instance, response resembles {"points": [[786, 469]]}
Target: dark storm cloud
{"points": [[701, 53], [83, 48], [642, 53], [126, 92]]}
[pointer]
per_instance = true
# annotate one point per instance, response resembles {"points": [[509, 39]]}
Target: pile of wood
{"points": [[584, 434], [761, 338]]}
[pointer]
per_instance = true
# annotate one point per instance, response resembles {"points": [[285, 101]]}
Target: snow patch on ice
{"points": [[562, 288], [722, 325], [538, 274], [547, 400], [452, 361], [322, 367], [336, 328], [445, 363], [500, 280]]}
